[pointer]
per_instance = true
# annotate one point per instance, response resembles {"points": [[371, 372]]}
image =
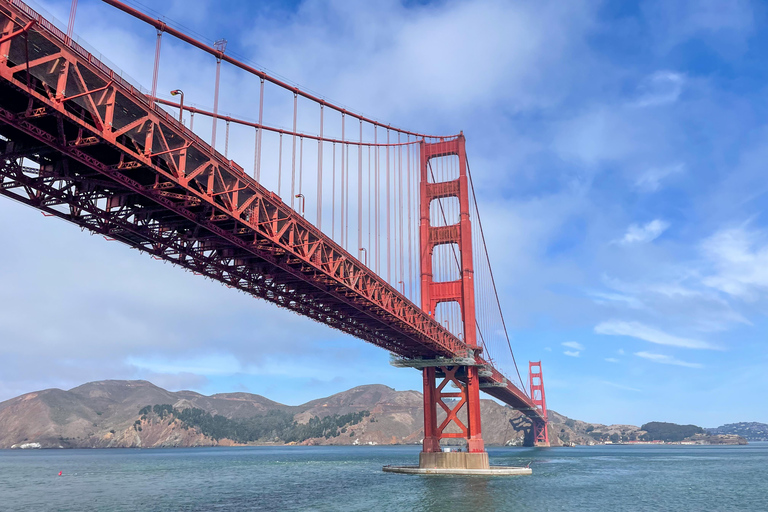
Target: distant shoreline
{"points": [[139, 414], [277, 445]]}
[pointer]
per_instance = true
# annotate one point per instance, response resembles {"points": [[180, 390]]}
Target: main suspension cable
{"points": [[493, 281]]}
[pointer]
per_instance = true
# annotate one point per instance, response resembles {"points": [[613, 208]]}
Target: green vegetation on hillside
{"points": [[274, 425], [668, 432]]}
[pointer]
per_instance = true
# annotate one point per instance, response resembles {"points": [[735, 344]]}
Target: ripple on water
{"points": [[616, 479]]}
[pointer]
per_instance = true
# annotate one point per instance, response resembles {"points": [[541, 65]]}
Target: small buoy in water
{"points": [[59, 473]]}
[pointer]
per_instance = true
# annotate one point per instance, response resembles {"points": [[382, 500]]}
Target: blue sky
{"points": [[618, 149]]}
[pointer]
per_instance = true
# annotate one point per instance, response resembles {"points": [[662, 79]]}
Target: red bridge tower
{"points": [[464, 374], [540, 431]]}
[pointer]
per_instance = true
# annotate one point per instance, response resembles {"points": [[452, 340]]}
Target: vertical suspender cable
{"points": [[71, 24], [397, 204], [400, 206], [293, 152], [376, 222], [360, 194], [417, 219], [414, 216], [257, 164], [256, 170], [220, 46], [410, 239], [280, 166], [226, 142], [346, 194], [369, 263], [343, 198], [333, 196], [389, 233], [156, 71], [301, 163], [320, 173]]}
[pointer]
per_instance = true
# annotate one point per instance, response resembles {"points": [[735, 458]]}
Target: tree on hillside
{"points": [[273, 425], [668, 432]]}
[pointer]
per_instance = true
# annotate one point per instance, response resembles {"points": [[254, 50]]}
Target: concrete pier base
{"points": [[456, 463], [454, 460]]}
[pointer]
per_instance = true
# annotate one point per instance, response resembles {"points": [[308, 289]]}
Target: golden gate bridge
{"points": [[368, 228]]}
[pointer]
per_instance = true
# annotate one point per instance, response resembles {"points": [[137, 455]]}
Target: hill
{"points": [[116, 413], [669, 432], [751, 431], [100, 414]]}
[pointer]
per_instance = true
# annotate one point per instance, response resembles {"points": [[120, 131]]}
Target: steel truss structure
{"points": [[80, 143]]}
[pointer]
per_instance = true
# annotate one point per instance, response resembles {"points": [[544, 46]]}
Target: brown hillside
{"points": [[105, 414]]}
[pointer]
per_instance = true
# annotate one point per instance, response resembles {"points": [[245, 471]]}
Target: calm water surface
{"points": [[607, 478]]}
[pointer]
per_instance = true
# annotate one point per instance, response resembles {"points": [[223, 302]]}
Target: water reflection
{"points": [[457, 493]]}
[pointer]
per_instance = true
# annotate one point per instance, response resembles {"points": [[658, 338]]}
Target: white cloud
{"points": [[573, 344], [504, 47], [650, 180], [604, 298], [645, 233], [664, 359], [572, 353], [669, 287], [611, 359], [548, 349], [740, 261], [676, 290], [643, 332], [620, 351], [660, 88]]}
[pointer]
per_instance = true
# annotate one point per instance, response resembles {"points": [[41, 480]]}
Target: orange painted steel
{"points": [[461, 291], [540, 431], [110, 160]]}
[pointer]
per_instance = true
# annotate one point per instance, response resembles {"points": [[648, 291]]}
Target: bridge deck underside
{"points": [[101, 201], [113, 163]]}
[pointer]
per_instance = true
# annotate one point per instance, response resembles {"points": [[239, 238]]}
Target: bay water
{"points": [[600, 478]]}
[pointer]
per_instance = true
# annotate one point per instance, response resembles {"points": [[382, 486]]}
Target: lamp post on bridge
{"points": [[365, 252], [179, 92], [303, 199]]}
